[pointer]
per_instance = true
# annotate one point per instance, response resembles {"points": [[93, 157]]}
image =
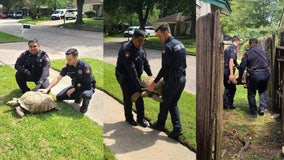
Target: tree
{"points": [[80, 4], [143, 8], [7, 4], [254, 18]]}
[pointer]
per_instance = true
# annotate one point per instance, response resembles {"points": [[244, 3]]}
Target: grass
{"points": [[65, 134], [153, 42], [89, 24], [189, 44], [29, 20], [7, 38], [264, 133], [109, 84]]}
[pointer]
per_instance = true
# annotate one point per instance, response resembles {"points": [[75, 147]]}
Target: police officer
{"points": [[130, 64], [83, 82], [257, 65], [230, 61], [173, 72], [32, 65]]}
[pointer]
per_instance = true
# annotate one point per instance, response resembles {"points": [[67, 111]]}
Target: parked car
{"points": [[17, 15], [58, 14], [71, 14], [10, 14], [129, 31], [150, 30], [4, 15]]}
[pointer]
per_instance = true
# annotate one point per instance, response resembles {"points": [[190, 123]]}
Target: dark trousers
{"points": [[171, 94], [127, 90], [86, 95], [22, 80], [229, 91], [257, 81]]}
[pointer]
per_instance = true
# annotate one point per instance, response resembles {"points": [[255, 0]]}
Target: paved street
{"points": [[89, 44], [125, 141], [110, 55]]}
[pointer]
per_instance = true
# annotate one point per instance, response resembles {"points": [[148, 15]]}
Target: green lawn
{"points": [[262, 132], [187, 103], [7, 38], [189, 44], [29, 20], [65, 134], [89, 24]]}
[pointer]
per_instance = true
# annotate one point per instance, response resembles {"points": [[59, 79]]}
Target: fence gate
{"points": [[209, 83]]}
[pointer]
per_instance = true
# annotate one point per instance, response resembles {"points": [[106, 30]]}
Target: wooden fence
{"points": [[209, 83]]}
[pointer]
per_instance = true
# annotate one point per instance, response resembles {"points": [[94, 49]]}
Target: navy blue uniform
{"points": [[173, 72], [257, 65], [32, 68], [82, 80], [230, 88], [129, 67]]}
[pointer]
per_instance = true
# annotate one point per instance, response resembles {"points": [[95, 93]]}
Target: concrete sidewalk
{"points": [[125, 141]]}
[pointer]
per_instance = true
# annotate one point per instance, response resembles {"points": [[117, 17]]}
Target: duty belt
{"points": [[257, 70]]}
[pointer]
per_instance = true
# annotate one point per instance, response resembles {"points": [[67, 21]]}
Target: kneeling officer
{"points": [[32, 65]]}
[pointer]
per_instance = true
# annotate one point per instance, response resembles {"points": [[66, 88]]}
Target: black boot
{"points": [[85, 105]]}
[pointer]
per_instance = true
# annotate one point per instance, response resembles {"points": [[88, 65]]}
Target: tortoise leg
{"points": [[145, 94], [57, 108], [20, 111], [157, 98]]}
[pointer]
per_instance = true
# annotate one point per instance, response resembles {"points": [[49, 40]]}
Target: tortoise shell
{"points": [[36, 102]]}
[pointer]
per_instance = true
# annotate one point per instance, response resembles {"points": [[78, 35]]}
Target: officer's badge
{"points": [[87, 71], [127, 54], [79, 85], [80, 71], [164, 50]]}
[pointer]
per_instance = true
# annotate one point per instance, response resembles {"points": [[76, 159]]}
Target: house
{"points": [[179, 23], [204, 7], [94, 5]]}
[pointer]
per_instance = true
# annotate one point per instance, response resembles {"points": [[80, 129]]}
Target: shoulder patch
{"points": [[164, 50], [87, 70], [178, 47], [127, 54]]}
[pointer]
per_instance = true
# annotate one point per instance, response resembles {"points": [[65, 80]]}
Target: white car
{"points": [[150, 30], [58, 14], [129, 31], [71, 14]]}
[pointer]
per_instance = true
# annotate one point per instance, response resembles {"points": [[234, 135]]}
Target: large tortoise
{"points": [[156, 94], [34, 102]]}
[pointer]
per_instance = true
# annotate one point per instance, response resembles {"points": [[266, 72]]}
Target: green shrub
{"points": [[90, 14]]}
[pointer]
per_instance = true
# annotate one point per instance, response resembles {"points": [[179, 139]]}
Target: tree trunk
{"points": [[193, 23], [80, 4]]}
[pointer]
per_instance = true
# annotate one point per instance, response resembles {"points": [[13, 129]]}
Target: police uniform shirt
{"points": [[132, 61], [81, 75], [38, 64], [254, 59], [230, 52], [173, 58]]}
